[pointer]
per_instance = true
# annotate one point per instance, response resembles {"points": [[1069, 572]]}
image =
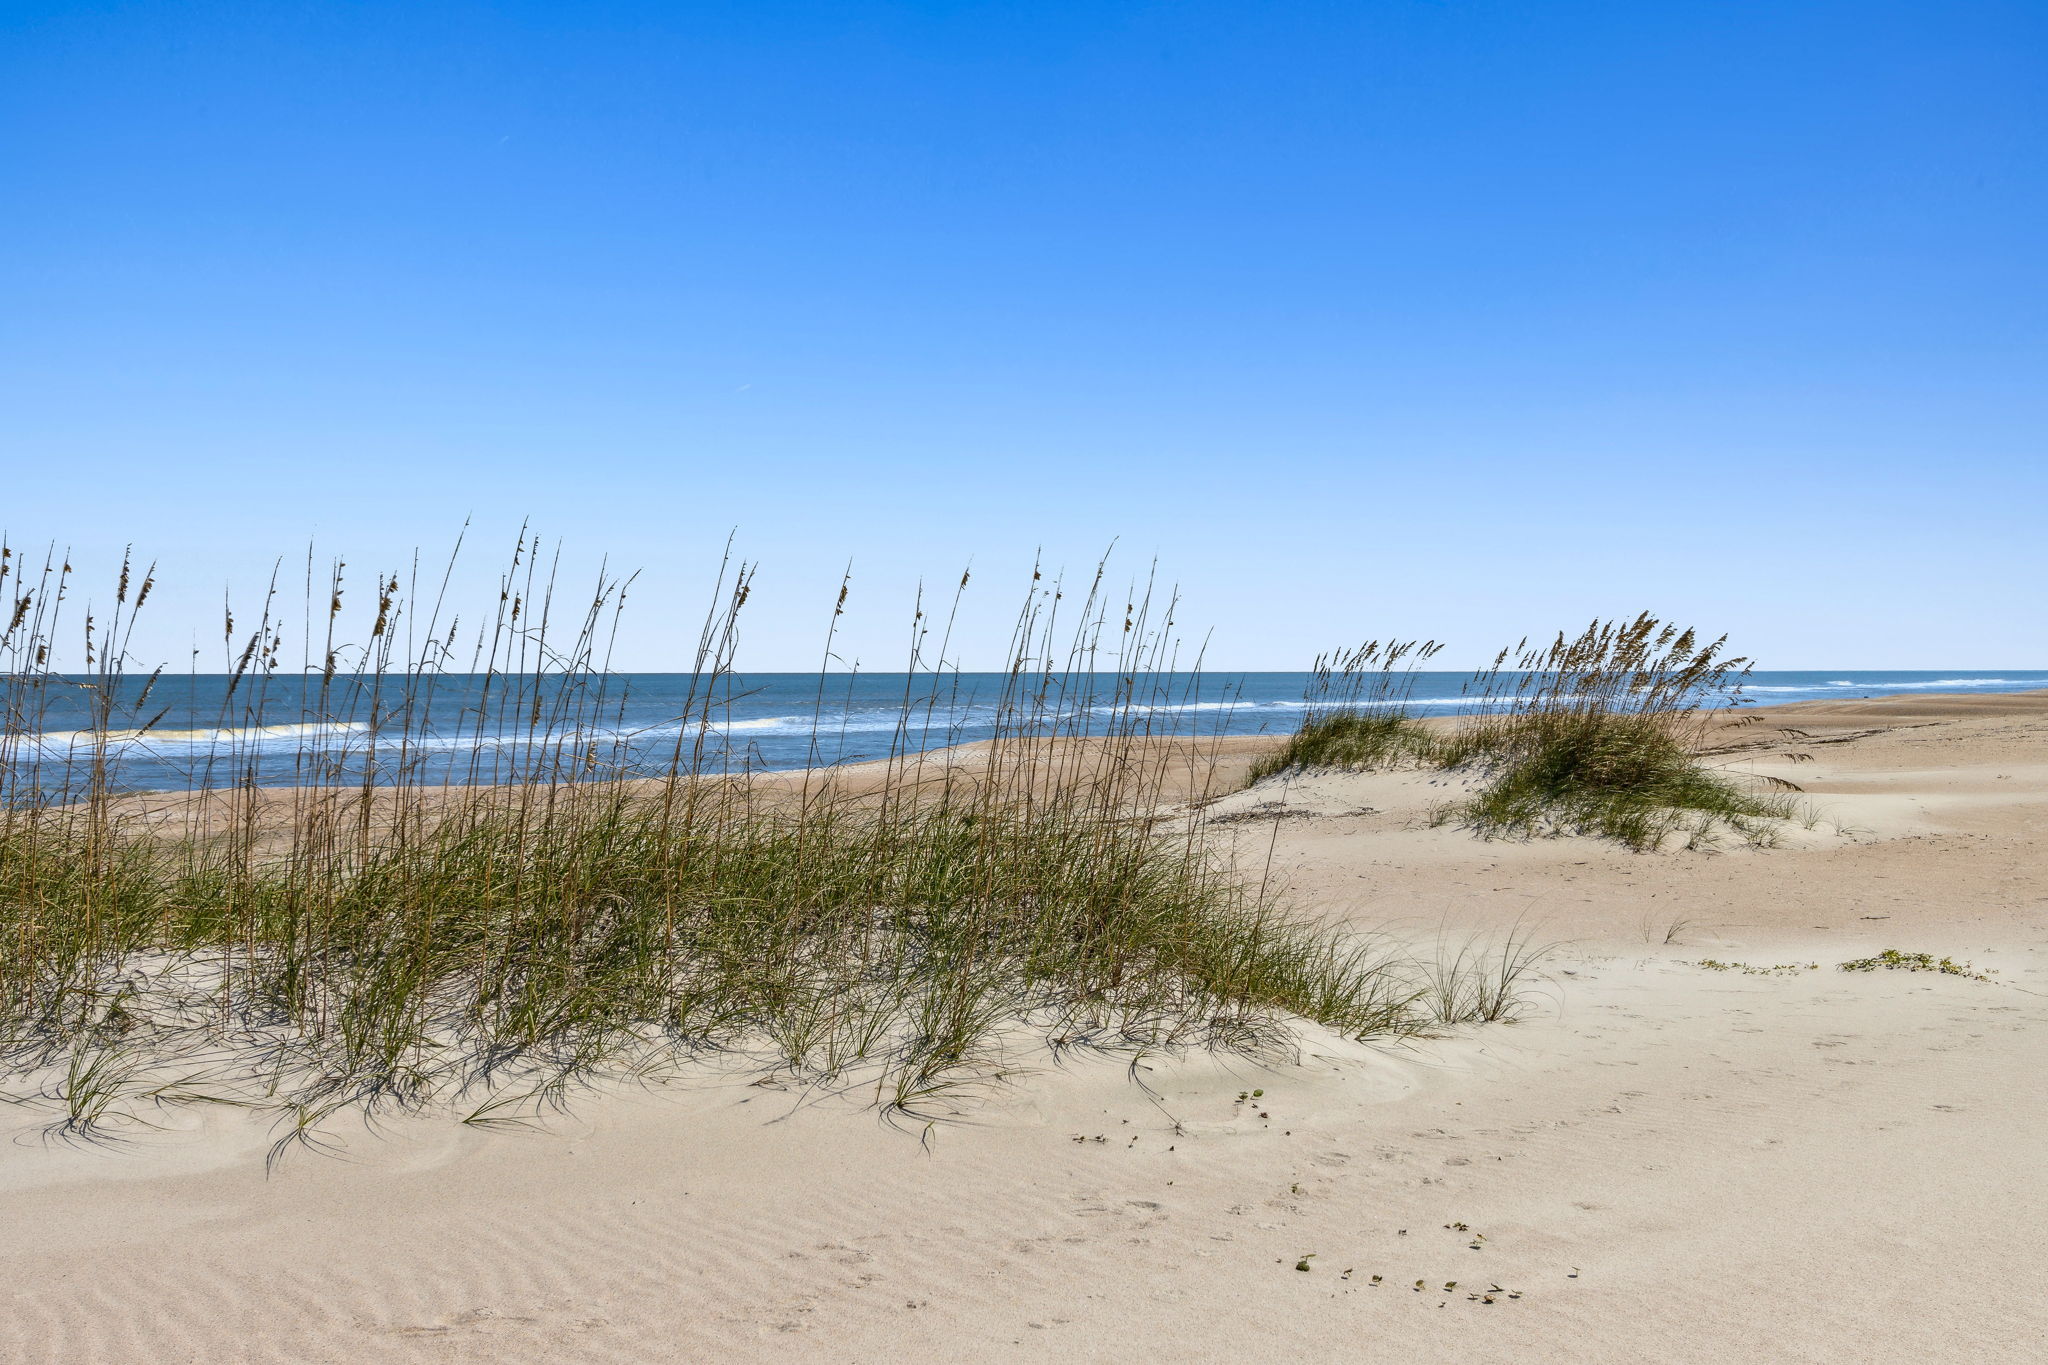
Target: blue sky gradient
{"points": [[1381, 317]]}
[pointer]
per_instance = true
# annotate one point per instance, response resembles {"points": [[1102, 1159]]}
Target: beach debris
{"points": [[1265, 810]]}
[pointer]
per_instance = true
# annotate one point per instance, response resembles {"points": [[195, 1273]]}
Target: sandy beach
{"points": [[1766, 1160], [1130, 683]]}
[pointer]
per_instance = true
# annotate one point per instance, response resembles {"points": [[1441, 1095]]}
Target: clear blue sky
{"points": [[1464, 319]]}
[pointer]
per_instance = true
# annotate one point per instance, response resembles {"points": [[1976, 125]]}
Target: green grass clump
{"points": [[1596, 734], [1349, 740], [1616, 776], [1599, 734], [1357, 716]]}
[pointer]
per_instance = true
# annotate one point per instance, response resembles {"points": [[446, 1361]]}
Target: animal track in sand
{"points": [[475, 1318]]}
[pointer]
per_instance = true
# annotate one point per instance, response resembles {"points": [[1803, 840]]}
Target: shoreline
{"points": [[1426, 712], [1225, 750]]}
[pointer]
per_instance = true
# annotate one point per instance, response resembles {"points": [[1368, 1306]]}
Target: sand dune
{"points": [[1663, 1162]]}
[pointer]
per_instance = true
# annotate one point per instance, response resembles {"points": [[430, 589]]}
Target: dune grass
{"points": [[1355, 742], [606, 932], [1595, 734], [1357, 714], [491, 930], [1622, 777]]}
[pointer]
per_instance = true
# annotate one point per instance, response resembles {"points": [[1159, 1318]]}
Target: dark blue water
{"points": [[459, 728]]}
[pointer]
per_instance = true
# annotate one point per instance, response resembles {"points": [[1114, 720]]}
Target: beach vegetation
{"points": [[1357, 713], [1892, 960], [467, 896], [1595, 734]]}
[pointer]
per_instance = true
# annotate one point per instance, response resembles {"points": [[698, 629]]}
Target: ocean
{"points": [[198, 730]]}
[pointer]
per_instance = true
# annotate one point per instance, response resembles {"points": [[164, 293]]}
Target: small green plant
{"points": [[1778, 969], [1473, 981], [1892, 960]]}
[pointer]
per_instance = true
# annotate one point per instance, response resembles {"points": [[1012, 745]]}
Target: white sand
{"points": [[1667, 1163]]}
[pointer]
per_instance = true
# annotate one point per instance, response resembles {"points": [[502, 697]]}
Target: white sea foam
{"points": [[852, 722], [1191, 707], [209, 738], [1888, 685]]}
